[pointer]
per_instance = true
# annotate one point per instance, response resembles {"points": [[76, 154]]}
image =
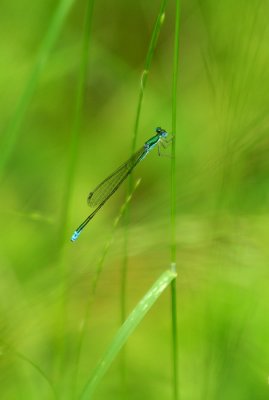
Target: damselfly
{"points": [[99, 196]]}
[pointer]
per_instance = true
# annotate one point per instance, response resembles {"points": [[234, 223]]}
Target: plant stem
{"points": [[173, 207], [74, 142], [153, 42], [70, 174]]}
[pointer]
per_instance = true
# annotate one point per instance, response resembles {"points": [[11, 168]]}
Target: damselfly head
{"points": [[161, 132]]}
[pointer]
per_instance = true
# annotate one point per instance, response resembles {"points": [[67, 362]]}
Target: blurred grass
{"points": [[52, 33], [222, 220], [75, 133]]}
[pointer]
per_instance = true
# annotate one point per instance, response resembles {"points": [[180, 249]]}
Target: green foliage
{"points": [[55, 88], [123, 334]]}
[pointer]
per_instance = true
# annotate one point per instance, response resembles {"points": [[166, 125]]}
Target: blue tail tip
{"points": [[75, 236]]}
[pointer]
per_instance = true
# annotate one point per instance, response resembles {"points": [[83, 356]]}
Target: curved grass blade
{"points": [[98, 271], [125, 331], [35, 367]]}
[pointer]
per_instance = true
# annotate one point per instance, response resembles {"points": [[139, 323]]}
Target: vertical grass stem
{"points": [[173, 206]]}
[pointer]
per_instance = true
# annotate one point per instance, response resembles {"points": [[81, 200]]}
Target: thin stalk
{"points": [[83, 71], [37, 369], [175, 387], [144, 77], [11, 135], [72, 161], [173, 206]]}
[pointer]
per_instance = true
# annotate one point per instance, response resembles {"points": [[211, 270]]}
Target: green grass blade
{"points": [[76, 122], [174, 131], [174, 339], [126, 330], [12, 132], [96, 277], [144, 77], [70, 173], [173, 205]]}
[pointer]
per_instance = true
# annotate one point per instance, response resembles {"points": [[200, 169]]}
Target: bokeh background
{"points": [[222, 200]]}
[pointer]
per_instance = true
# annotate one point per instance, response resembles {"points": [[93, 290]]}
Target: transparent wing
{"points": [[106, 188]]}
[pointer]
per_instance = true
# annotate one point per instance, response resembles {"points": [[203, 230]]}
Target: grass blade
{"points": [[144, 77], [96, 277], [12, 132], [70, 173], [74, 142], [173, 206], [126, 330], [33, 365]]}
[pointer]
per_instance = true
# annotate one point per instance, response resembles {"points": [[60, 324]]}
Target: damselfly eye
{"points": [[158, 130], [164, 133]]}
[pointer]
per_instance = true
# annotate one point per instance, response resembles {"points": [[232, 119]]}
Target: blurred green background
{"points": [[222, 199]]}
